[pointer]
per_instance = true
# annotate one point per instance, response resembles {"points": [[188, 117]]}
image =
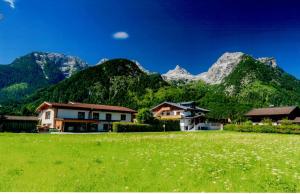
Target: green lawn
{"points": [[200, 161]]}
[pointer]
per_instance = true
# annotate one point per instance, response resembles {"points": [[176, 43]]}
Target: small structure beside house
{"points": [[80, 117], [19, 123], [276, 114], [191, 117]]}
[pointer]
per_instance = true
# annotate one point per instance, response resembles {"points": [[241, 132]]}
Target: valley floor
{"points": [[200, 161]]}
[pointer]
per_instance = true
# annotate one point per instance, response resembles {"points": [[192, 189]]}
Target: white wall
{"points": [[70, 114], [73, 114], [47, 122], [115, 116]]}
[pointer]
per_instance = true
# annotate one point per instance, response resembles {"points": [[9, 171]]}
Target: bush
{"points": [[145, 116], [170, 125], [285, 129], [132, 127], [158, 126], [248, 123], [286, 122], [53, 130], [267, 121]]}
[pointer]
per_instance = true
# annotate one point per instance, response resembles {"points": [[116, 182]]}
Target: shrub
{"points": [[53, 130], [158, 126], [248, 123], [169, 125], [285, 129], [145, 116], [267, 121], [286, 122], [132, 127]]}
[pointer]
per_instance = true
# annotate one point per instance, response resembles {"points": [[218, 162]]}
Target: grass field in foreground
{"points": [[200, 161]]}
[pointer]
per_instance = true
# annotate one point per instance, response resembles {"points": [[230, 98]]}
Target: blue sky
{"points": [[157, 33]]}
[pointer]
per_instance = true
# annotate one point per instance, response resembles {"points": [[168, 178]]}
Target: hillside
{"points": [[262, 85], [115, 82], [36, 70]]}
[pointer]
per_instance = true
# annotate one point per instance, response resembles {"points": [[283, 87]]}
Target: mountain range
{"points": [[217, 72], [235, 83]]}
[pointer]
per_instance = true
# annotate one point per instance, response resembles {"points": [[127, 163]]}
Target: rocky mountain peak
{"points": [[268, 61], [178, 70], [178, 73], [222, 67], [67, 64]]}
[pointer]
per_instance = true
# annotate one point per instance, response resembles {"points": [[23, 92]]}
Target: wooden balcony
{"points": [[170, 117]]}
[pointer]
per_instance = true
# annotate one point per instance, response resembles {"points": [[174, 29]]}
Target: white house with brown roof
{"points": [[80, 117], [191, 117]]}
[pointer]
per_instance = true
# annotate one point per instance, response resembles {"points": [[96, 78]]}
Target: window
{"points": [[105, 127], [47, 115], [168, 113], [108, 117], [81, 115], [96, 116], [177, 113], [123, 117]]}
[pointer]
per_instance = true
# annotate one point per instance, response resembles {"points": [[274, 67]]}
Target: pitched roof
{"points": [[271, 111], [75, 105], [20, 118], [296, 120], [181, 106]]}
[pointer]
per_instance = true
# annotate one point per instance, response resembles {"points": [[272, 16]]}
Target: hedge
{"points": [[170, 125], [131, 127], [284, 129]]}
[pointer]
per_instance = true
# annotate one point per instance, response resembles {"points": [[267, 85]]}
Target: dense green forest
{"points": [[121, 82]]}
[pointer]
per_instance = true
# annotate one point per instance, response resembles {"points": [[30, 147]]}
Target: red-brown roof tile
{"points": [[271, 111], [86, 106]]}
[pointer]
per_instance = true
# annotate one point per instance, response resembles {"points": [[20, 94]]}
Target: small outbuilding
{"points": [[18, 123], [276, 114]]}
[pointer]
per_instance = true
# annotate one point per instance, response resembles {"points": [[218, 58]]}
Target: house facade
{"points": [[276, 114], [191, 117], [80, 117]]}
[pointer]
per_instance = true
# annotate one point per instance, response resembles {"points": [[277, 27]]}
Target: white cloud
{"points": [[11, 3], [120, 35]]}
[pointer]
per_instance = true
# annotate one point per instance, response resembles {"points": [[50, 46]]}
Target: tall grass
{"points": [[200, 161]]}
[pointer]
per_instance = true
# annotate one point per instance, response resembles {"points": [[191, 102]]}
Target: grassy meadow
{"points": [[200, 161]]}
